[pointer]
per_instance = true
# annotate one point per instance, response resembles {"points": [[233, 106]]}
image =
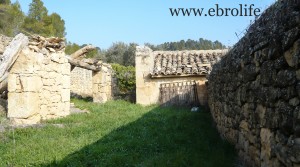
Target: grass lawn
{"points": [[119, 134]]}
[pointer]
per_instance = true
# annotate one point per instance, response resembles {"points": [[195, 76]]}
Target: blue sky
{"points": [[102, 22]]}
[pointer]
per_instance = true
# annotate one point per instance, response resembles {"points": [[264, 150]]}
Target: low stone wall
{"points": [[254, 91], [38, 87], [81, 82]]}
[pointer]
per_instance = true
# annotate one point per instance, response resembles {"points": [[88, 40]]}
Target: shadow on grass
{"points": [[162, 137]]}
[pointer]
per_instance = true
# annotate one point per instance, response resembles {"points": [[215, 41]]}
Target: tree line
{"points": [[201, 44], [124, 54], [39, 21]]}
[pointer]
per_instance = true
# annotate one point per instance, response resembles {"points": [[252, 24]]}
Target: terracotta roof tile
{"points": [[184, 63]]}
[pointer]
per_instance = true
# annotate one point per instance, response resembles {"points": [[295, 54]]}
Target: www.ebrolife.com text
{"points": [[240, 10]]}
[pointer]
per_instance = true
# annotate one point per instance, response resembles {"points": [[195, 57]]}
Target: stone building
{"points": [[173, 77], [36, 78], [38, 81]]}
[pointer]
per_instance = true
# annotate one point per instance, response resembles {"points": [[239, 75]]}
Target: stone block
{"points": [[55, 98], [53, 109], [28, 121], [96, 88], [104, 69], [44, 111], [45, 96], [48, 82], [292, 55], [55, 57], [65, 95], [294, 101], [63, 109], [13, 82], [66, 108], [66, 82], [31, 83], [22, 105], [66, 69], [23, 64], [53, 88], [97, 77], [261, 111], [266, 138]]}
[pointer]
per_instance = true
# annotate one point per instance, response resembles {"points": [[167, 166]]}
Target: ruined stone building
{"points": [[173, 77], [83, 83], [36, 76]]}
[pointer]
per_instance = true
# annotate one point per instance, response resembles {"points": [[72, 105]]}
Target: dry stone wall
{"points": [[254, 91], [102, 84], [37, 76], [81, 82], [95, 84], [38, 87]]}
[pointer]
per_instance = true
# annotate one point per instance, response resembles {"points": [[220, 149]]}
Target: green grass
{"points": [[120, 134]]}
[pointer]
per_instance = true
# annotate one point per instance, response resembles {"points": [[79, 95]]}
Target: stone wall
{"points": [[81, 82], [97, 85], [102, 84], [254, 90], [38, 87], [147, 88]]}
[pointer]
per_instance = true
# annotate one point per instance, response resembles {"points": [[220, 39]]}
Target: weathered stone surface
{"points": [[31, 83], [292, 55], [23, 105], [294, 101], [266, 89], [267, 73], [285, 78], [65, 95], [102, 84], [82, 82], [267, 141], [39, 86], [29, 121]]}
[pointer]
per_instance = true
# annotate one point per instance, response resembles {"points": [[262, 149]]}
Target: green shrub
{"points": [[125, 77]]}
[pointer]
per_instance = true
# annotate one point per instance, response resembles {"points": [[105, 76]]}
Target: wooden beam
{"points": [[82, 51], [11, 52], [81, 64]]}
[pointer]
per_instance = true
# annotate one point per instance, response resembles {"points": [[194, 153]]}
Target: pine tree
{"points": [[39, 22], [5, 2], [37, 10], [11, 18]]}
